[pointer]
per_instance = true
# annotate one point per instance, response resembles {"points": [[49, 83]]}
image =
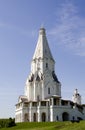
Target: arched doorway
{"points": [[43, 116], [26, 117], [65, 116], [34, 117]]}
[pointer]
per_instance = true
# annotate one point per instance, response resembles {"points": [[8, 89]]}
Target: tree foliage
{"points": [[7, 122]]}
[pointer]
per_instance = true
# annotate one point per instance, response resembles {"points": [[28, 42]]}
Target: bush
{"points": [[11, 122], [7, 122]]}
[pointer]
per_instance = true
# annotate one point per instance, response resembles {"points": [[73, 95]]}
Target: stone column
{"points": [[39, 113], [30, 112], [34, 91], [51, 111], [42, 91]]}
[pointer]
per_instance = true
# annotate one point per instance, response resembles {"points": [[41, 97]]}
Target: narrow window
{"points": [[46, 65], [48, 90]]}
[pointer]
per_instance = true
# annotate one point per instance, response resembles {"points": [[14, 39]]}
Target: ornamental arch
{"points": [[65, 116]]}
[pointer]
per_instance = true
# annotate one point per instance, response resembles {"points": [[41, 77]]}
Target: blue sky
{"points": [[20, 20]]}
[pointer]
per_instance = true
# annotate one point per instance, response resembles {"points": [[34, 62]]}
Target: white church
{"points": [[42, 101]]}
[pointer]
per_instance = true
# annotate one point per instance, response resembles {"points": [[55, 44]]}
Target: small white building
{"points": [[42, 99]]}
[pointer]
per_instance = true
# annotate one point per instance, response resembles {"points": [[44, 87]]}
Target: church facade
{"points": [[42, 98]]}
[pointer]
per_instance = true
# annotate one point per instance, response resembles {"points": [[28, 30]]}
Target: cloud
{"points": [[69, 30]]}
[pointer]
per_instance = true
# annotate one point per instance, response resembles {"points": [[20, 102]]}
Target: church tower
{"points": [[76, 97], [42, 81]]}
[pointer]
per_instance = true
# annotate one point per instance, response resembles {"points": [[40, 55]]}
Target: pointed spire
{"points": [[42, 49]]}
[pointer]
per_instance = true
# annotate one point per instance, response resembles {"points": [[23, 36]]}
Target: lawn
{"points": [[48, 126]]}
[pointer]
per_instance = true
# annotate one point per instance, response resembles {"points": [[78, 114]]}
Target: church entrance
{"points": [[34, 117], [26, 117], [43, 116], [65, 116]]}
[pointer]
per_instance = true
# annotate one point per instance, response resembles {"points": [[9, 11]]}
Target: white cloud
{"points": [[69, 30]]}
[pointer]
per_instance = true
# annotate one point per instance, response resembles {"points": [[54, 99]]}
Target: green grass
{"points": [[48, 126]]}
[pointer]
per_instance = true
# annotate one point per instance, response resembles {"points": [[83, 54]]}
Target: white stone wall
{"points": [[58, 111]]}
